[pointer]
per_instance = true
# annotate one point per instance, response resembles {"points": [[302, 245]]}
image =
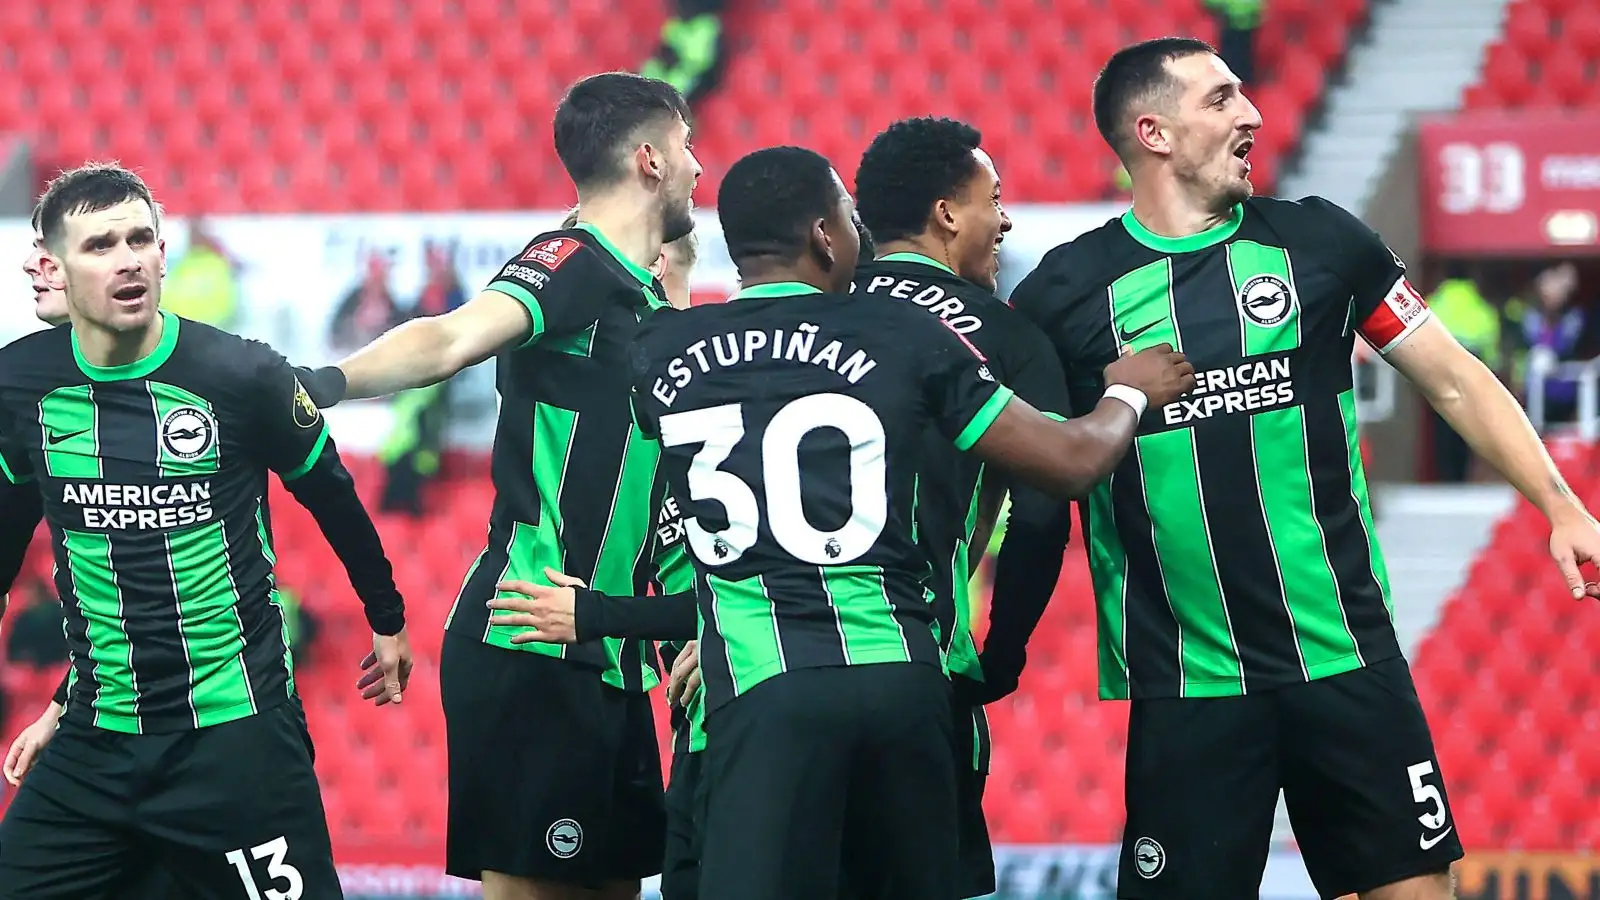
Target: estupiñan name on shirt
{"points": [[737, 348]]}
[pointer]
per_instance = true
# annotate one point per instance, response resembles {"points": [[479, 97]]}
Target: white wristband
{"points": [[1130, 395]]}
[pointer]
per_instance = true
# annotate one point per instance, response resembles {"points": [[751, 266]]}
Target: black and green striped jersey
{"points": [[791, 424], [576, 486], [153, 478], [1233, 550], [1020, 357]]}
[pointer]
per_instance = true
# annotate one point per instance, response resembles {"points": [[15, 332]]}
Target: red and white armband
{"points": [[1401, 312]]}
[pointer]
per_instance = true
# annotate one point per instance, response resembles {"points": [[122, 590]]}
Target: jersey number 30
{"points": [[719, 429]]}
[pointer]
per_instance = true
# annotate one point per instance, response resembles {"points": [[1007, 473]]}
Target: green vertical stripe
{"points": [[1358, 488], [626, 538], [265, 536], [71, 435], [867, 624], [94, 585], [1208, 660], [533, 547], [743, 616], [1108, 572], [1207, 656], [213, 635], [1283, 476], [962, 658]]}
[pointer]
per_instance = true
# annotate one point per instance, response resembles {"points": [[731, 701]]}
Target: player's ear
{"points": [[161, 245], [55, 274], [821, 242], [944, 217], [649, 162], [1150, 133], [660, 266]]}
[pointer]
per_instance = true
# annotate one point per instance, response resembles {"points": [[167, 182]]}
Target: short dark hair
{"points": [[907, 168], [769, 199], [89, 188], [601, 113], [1135, 74]]}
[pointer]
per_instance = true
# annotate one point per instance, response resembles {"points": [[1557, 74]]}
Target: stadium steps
{"points": [[1430, 535], [1417, 57]]}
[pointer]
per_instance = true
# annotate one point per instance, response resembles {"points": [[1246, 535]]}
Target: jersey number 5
{"points": [[719, 429]]}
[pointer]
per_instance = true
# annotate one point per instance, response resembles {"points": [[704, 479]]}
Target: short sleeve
{"points": [[961, 391], [1386, 308], [1035, 373], [554, 278], [290, 432], [1053, 298], [648, 388]]}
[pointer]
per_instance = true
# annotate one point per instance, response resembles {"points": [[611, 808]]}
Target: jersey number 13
{"points": [[719, 429]]}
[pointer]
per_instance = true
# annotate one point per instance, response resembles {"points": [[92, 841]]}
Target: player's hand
{"points": [[1573, 541], [1162, 373], [552, 611], [387, 669], [29, 744], [685, 677]]}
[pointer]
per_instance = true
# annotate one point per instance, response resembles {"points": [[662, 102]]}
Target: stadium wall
{"points": [[292, 272]]}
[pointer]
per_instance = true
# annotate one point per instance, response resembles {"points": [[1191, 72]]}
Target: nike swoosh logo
{"points": [[1127, 336], [53, 439], [1428, 844]]}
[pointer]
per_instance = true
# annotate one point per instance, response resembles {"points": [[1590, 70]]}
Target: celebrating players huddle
{"points": [[783, 492]]}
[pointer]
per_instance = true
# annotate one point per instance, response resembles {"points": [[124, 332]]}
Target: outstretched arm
{"points": [[1484, 413], [430, 349]]}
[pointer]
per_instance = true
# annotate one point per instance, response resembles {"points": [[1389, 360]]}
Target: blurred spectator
{"points": [[367, 311], [689, 55], [1239, 20], [201, 285], [1552, 327], [1461, 307], [34, 627], [411, 452]]}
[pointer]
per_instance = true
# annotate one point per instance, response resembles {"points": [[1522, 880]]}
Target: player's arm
{"points": [[293, 439], [1392, 317], [1064, 458], [539, 293], [565, 612], [427, 350], [21, 508], [1037, 530]]}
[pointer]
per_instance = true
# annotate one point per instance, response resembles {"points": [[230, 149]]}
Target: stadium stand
{"points": [[334, 106], [1548, 56]]}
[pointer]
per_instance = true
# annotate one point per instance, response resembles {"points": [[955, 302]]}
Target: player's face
{"points": [[981, 225], [110, 266], [1214, 130], [49, 304], [680, 173], [844, 236]]}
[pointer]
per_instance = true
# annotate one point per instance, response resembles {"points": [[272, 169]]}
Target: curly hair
{"points": [[911, 165]]}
